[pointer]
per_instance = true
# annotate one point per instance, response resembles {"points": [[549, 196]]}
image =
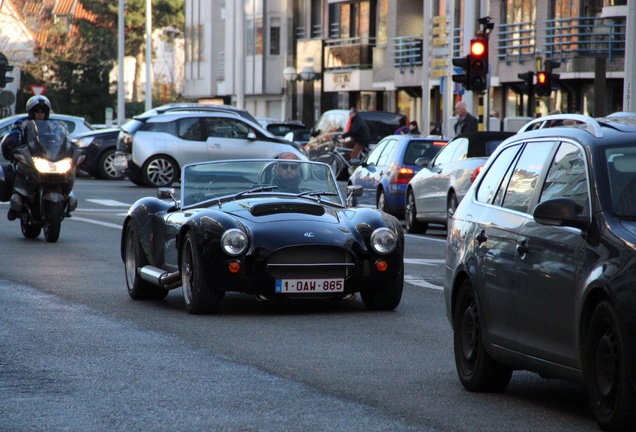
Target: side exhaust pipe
{"points": [[162, 278]]}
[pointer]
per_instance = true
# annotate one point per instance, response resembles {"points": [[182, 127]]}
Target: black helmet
{"points": [[38, 102]]}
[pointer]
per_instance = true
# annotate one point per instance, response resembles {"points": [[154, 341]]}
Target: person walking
{"points": [[465, 121]]}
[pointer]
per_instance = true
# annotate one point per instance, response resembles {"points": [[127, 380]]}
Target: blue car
{"points": [[385, 174]]}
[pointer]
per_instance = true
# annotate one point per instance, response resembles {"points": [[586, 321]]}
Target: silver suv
{"points": [[154, 146]]}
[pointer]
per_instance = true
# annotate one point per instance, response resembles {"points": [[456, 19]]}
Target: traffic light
{"points": [[464, 77], [528, 82], [4, 68], [478, 64], [543, 87]]}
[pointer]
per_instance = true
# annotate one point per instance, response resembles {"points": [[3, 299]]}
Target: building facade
{"points": [[396, 55]]}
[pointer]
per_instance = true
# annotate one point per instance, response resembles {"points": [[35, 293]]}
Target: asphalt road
{"points": [[77, 354]]}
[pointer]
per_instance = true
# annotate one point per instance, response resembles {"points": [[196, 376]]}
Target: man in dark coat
{"points": [[465, 121], [359, 133]]}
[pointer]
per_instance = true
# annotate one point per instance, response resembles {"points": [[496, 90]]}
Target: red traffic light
{"points": [[477, 47], [542, 78]]}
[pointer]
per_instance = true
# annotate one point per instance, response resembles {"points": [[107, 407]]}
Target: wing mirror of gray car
{"points": [[251, 136], [560, 212]]}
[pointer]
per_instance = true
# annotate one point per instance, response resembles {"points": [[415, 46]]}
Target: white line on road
{"points": [[96, 222], [422, 283], [424, 261], [109, 202]]}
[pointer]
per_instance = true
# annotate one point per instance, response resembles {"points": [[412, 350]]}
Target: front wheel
{"points": [[199, 295], [53, 224], [612, 399], [387, 298], [476, 369], [333, 161]]}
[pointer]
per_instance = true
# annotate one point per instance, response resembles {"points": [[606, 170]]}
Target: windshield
{"points": [[48, 138], [232, 179]]}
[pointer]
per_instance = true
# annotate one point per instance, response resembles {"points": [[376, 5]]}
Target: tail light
{"points": [[403, 175], [475, 173]]}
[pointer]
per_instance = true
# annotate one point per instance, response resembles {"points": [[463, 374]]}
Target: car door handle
{"points": [[522, 248], [481, 237]]}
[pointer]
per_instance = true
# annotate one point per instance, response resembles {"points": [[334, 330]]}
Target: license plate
{"points": [[309, 286], [120, 162]]}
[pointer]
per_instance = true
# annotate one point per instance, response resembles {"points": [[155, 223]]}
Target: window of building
{"points": [[274, 36], [255, 37]]}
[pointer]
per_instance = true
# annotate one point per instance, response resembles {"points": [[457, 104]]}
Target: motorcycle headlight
{"points": [[234, 242], [47, 167], [84, 142], [383, 241]]}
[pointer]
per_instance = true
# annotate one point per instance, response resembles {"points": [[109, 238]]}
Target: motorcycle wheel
{"points": [[30, 231], [54, 223]]}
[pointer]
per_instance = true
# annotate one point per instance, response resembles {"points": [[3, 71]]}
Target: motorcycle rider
{"points": [[38, 109]]}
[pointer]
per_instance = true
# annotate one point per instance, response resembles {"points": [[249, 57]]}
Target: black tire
{"points": [[53, 224], [106, 168], [451, 206], [199, 296], [381, 201], [385, 299], [30, 231], [612, 398], [413, 226], [333, 162], [160, 171], [134, 259], [477, 371]]}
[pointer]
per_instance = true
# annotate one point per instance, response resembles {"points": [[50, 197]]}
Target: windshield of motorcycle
{"points": [[48, 139]]}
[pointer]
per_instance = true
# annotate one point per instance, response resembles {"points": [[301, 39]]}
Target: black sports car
{"points": [[278, 229]]}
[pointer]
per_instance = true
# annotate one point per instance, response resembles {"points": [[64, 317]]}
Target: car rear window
{"points": [[420, 148]]}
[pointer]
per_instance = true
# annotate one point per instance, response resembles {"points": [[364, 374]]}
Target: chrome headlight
{"points": [[383, 241], [234, 242], [47, 167]]}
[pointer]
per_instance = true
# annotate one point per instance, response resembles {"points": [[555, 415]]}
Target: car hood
{"points": [[284, 210]]}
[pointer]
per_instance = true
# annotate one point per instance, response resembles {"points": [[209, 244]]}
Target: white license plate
{"points": [[120, 162], [309, 286]]}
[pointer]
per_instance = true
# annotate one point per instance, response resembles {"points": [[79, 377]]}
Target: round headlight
{"points": [[234, 242], [383, 241]]}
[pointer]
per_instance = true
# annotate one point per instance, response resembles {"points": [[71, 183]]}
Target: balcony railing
{"points": [[407, 52], [516, 41], [353, 52], [585, 37]]}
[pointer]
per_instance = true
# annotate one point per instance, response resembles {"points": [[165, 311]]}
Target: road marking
{"points": [[422, 283], [109, 202], [424, 261], [96, 222]]}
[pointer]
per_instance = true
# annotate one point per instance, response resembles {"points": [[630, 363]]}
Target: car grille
{"points": [[310, 262]]}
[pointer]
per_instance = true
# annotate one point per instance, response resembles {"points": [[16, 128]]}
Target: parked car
{"points": [[235, 230], [334, 122], [74, 125], [280, 128], [389, 167], [435, 191], [152, 148], [99, 147], [300, 137], [540, 263]]}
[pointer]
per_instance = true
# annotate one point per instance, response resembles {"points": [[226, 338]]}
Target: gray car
{"points": [[74, 125], [153, 148]]}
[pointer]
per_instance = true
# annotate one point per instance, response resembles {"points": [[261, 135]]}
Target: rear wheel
{"points": [[413, 226], [477, 371], [106, 166], [611, 396], [199, 296], [160, 171], [381, 201], [53, 225], [30, 231], [134, 259], [451, 206]]}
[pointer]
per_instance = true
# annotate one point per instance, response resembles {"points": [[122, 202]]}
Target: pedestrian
{"points": [[359, 133], [465, 121], [413, 128]]}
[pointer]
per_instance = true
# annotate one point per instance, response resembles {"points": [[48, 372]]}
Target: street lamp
{"points": [[290, 74], [307, 73]]}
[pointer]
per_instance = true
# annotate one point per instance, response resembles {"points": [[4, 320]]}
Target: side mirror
{"points": [[251, 136], [354, 191], [560, 212]]}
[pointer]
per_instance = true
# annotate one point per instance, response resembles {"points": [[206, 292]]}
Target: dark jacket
{"points": [[467, 124], [359, 131], [13, 140]]}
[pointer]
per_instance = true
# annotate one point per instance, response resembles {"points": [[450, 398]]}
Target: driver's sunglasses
{"points": [[292, 167]]}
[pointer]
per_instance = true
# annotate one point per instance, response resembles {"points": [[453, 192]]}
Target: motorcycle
{"points": [[43, 175]]}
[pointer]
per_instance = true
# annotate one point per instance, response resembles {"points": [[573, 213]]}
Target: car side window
{"points": [[494, 178], [375, 153], [238, 129], [461, 151], [386, 154], [525, 176], [190, 129], [446, 154], [567, 178]]}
